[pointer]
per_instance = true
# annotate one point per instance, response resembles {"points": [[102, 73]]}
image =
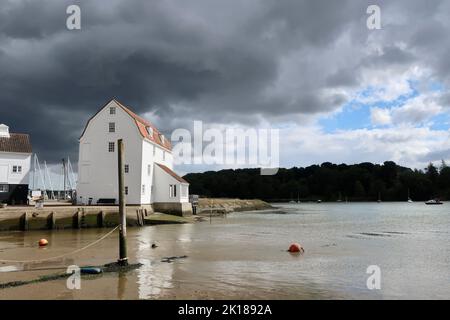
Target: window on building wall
{"points": [[112, 110], [149, 169], [4, 188], [154, 151], [111, 146], [127, 168], [173, 190], [143, 189], [112, 127], [126, 190], [17, 169]]}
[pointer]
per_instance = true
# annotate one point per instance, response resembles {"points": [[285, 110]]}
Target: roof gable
{"points": [[142, 125]]}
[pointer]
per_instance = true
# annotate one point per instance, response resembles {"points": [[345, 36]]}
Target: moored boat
{"points": [[433, 202]]}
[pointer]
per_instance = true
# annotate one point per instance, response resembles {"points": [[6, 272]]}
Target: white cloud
{"points": [[380, 116], [407, 145], [417, 110]]}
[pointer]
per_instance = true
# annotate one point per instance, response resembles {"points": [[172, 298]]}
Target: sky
{"points": [[336, 90]]}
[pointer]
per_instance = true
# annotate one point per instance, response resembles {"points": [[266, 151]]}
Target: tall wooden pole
{"points": [[123, 259]]}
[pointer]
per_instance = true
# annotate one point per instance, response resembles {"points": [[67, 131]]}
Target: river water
{"points": [[244, 256]]}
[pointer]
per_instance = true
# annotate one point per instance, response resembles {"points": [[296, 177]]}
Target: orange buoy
{"points": [[296, 248], [43, 242]]}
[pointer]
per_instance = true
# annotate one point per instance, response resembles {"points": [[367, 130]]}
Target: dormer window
{"points": [[161, 137], [112, 110], [150, 131]]}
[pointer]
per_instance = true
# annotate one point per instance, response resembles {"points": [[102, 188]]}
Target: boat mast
{"points": [[47, 174], [64, 178], [71, 174]]}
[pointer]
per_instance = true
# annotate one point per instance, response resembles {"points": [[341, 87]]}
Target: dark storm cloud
{"points": [[218, 61]]}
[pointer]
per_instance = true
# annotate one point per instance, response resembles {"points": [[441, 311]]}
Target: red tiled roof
{"points": [[142, 126], [17, 142], [173, 174]]}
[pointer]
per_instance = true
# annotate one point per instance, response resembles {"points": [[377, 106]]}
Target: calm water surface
{"points": [[244, 255]]}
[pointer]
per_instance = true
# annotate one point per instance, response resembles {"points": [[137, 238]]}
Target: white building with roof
{"points": [[15, 162], [149, 175]]}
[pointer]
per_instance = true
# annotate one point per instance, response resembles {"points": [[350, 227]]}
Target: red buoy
{"points": [[296, 248], [43, 242]]}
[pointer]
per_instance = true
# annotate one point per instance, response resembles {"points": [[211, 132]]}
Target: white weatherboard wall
{"points": [[161, 192], [98, 167], [10, 159], [152, 154]]}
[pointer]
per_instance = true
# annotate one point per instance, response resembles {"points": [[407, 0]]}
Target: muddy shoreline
{"points": [[224, 206]]}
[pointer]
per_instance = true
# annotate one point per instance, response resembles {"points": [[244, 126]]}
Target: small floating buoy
{"points": [[43, 242], [296, 248], [154, 246]]}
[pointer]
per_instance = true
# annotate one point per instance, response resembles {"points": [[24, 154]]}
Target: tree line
{"points": [[327, 182]]}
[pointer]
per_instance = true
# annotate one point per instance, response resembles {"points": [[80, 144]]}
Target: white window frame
{"points": [[111, 127], [17, 169], [112, 110], [143, 189], [126, 190], [111, 147], [126, 168], [172, 190], [149, 170], [4, 188]]}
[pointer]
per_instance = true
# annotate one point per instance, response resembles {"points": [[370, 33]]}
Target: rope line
{"points": [[65, 254]]}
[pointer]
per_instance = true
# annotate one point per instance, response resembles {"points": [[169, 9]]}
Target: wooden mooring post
{"points": [[123, 259]]}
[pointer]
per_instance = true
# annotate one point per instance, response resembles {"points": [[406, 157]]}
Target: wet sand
{"points": [[243, 256], [154, 280]]}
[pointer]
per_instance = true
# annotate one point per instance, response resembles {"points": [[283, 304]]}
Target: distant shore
{"points": [[224, 206]]}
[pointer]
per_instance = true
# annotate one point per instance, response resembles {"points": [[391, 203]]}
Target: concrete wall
{"points": [[174, 208]]}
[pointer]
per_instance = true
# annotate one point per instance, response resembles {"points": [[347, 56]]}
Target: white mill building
{"points": [[149, 175]]}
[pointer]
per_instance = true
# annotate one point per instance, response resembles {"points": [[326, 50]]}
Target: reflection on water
{"points": [[121, 285], [155, 276], [244, 256]]}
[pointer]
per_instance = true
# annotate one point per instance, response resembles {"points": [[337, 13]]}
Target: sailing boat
{"points": [[409, 197]]}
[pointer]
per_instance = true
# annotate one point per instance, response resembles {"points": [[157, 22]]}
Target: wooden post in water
{"points": [[123, 259]]}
